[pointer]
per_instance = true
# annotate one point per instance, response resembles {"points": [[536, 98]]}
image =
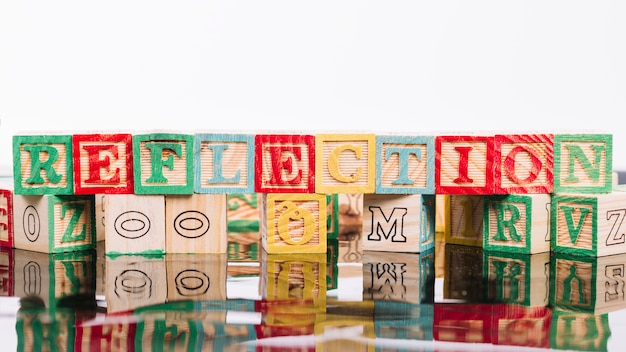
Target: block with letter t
{"points": [[524, 163], [405, 164], [284, 163], [398, 223], [43, 165], [163, 163], [583, 163]]}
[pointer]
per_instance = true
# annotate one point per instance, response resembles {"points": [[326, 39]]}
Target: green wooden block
{"points": [[583, 163], [163, 163], [579, 331], [43, 165]]}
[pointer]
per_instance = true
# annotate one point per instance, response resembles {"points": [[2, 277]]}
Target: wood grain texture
{"points": [[464, 216], [196, 277], [524, 163], [464, 164], [583, 163], [135, 281], [405, 164], [6, 218], [284, 163]]}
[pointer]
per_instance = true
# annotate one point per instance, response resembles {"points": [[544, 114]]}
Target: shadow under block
{"points": [[163, 163], [576, 331], [6, 218], [284, 163], [54, 224], [405, 164], [134, 224], [135, 281], [588, 284], [195, 223], [398, 223], [583, 163], [293, 223], [345, 163], [524, 164], [224, 163], [464, 164], [43, 165], [517, 223], [464, 216], [588, 224], [196, 277], [102, 163]]}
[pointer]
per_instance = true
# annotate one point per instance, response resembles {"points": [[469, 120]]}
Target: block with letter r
{"points": [[583, 163]]}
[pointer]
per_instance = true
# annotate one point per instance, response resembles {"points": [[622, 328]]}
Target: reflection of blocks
{"points": [[398, 223], [524, 163], [46, 330], [134, 223], [134, 281], [588, 284], [405, 165], [399, 277], [583, 163], [470, 323], [224, 163], [6, 218], [397, 320], [293, 223], [522, 326], [7, 270], [515, 278], [284, 163], [43, 164], [243, 212], [115, 333], [463, 273], [579, 331], [196, 277], [586, 224], [517, 223], [464, 219], [464, 164], [195, 223], [353, 332], [54, 224]]}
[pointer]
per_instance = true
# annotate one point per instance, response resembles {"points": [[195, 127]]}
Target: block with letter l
{"points": [[583, 163]]}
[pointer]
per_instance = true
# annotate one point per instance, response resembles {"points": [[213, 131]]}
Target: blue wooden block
{"points": [[405, 164]]}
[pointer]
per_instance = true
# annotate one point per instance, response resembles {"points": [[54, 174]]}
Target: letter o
{"points": [[132, 224], [191, 224]]}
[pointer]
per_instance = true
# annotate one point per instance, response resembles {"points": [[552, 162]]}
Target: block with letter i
{"points": [[54, 224], [293, 223], [6, 217], [345, 163], [524, 163], [583, 163], [102, 163], [398, 223], [284, 163], [163, 163], [223, 163], [43, 165], [517, 223], [464, 164], [463, 219], [405, 164], [588, 224]]}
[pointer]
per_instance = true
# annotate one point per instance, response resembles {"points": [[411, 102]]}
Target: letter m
{"points": [[387, 227]]}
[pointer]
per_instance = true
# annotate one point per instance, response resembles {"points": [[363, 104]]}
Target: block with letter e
{"points": [[284, 163], [43, 165], [524, 163], [583, 163], [163, 163], [464, 164], [405, 164]]}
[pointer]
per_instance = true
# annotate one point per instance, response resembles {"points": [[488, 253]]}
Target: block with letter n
{"points": [[293, 223], [524, 163], [583, 163], [398, 223], [284, 163], [464, 164], [517, 223], [463, 219], [405, 164], [163, 163], [54, 224], [43, 165]]}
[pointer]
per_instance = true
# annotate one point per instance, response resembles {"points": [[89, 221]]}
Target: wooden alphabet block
{"points": [[293, 223], [524, 163], [345, 163], [515, 278], [588, 284], [583, 163], [7, 270], [196, 277], [43, 165], [224, 163], [463, 273], [99, 210], [398, 223], [195, 223], [463, 217], [576, 331], [243, 212], [588, 224], [517, 223], [134, 224], [6, 218], [54, 224], [163, 163], [102, 163], [284, 163], [405, 164], [523, 326], [464, 164], [332, 216]]}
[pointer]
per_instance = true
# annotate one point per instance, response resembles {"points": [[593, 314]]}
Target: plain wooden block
{"points": [[134, 224], [6, 218], [463, 273], [43, 165], [464, 164], [54, 224], [583, 163], [195, 223], [405, 164], [398, 223], [284, 163], [7, 272], [345, 163], [575, 331], [224, 163], [163, 163], [588, 224], [463, 217], [517, 223], [514, 278], [524, 163], [196, 277], [102, 163], [293, 223]]}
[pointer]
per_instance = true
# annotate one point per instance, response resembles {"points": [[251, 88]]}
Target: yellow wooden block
{"points": [[464, 219]]}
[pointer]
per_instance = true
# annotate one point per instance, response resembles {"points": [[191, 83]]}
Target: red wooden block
{"points": [[6, 218], [284, 163], [464, 164], [524, 163]]}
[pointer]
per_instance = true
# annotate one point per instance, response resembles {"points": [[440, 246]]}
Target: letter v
{"points": [[574, 230]]}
